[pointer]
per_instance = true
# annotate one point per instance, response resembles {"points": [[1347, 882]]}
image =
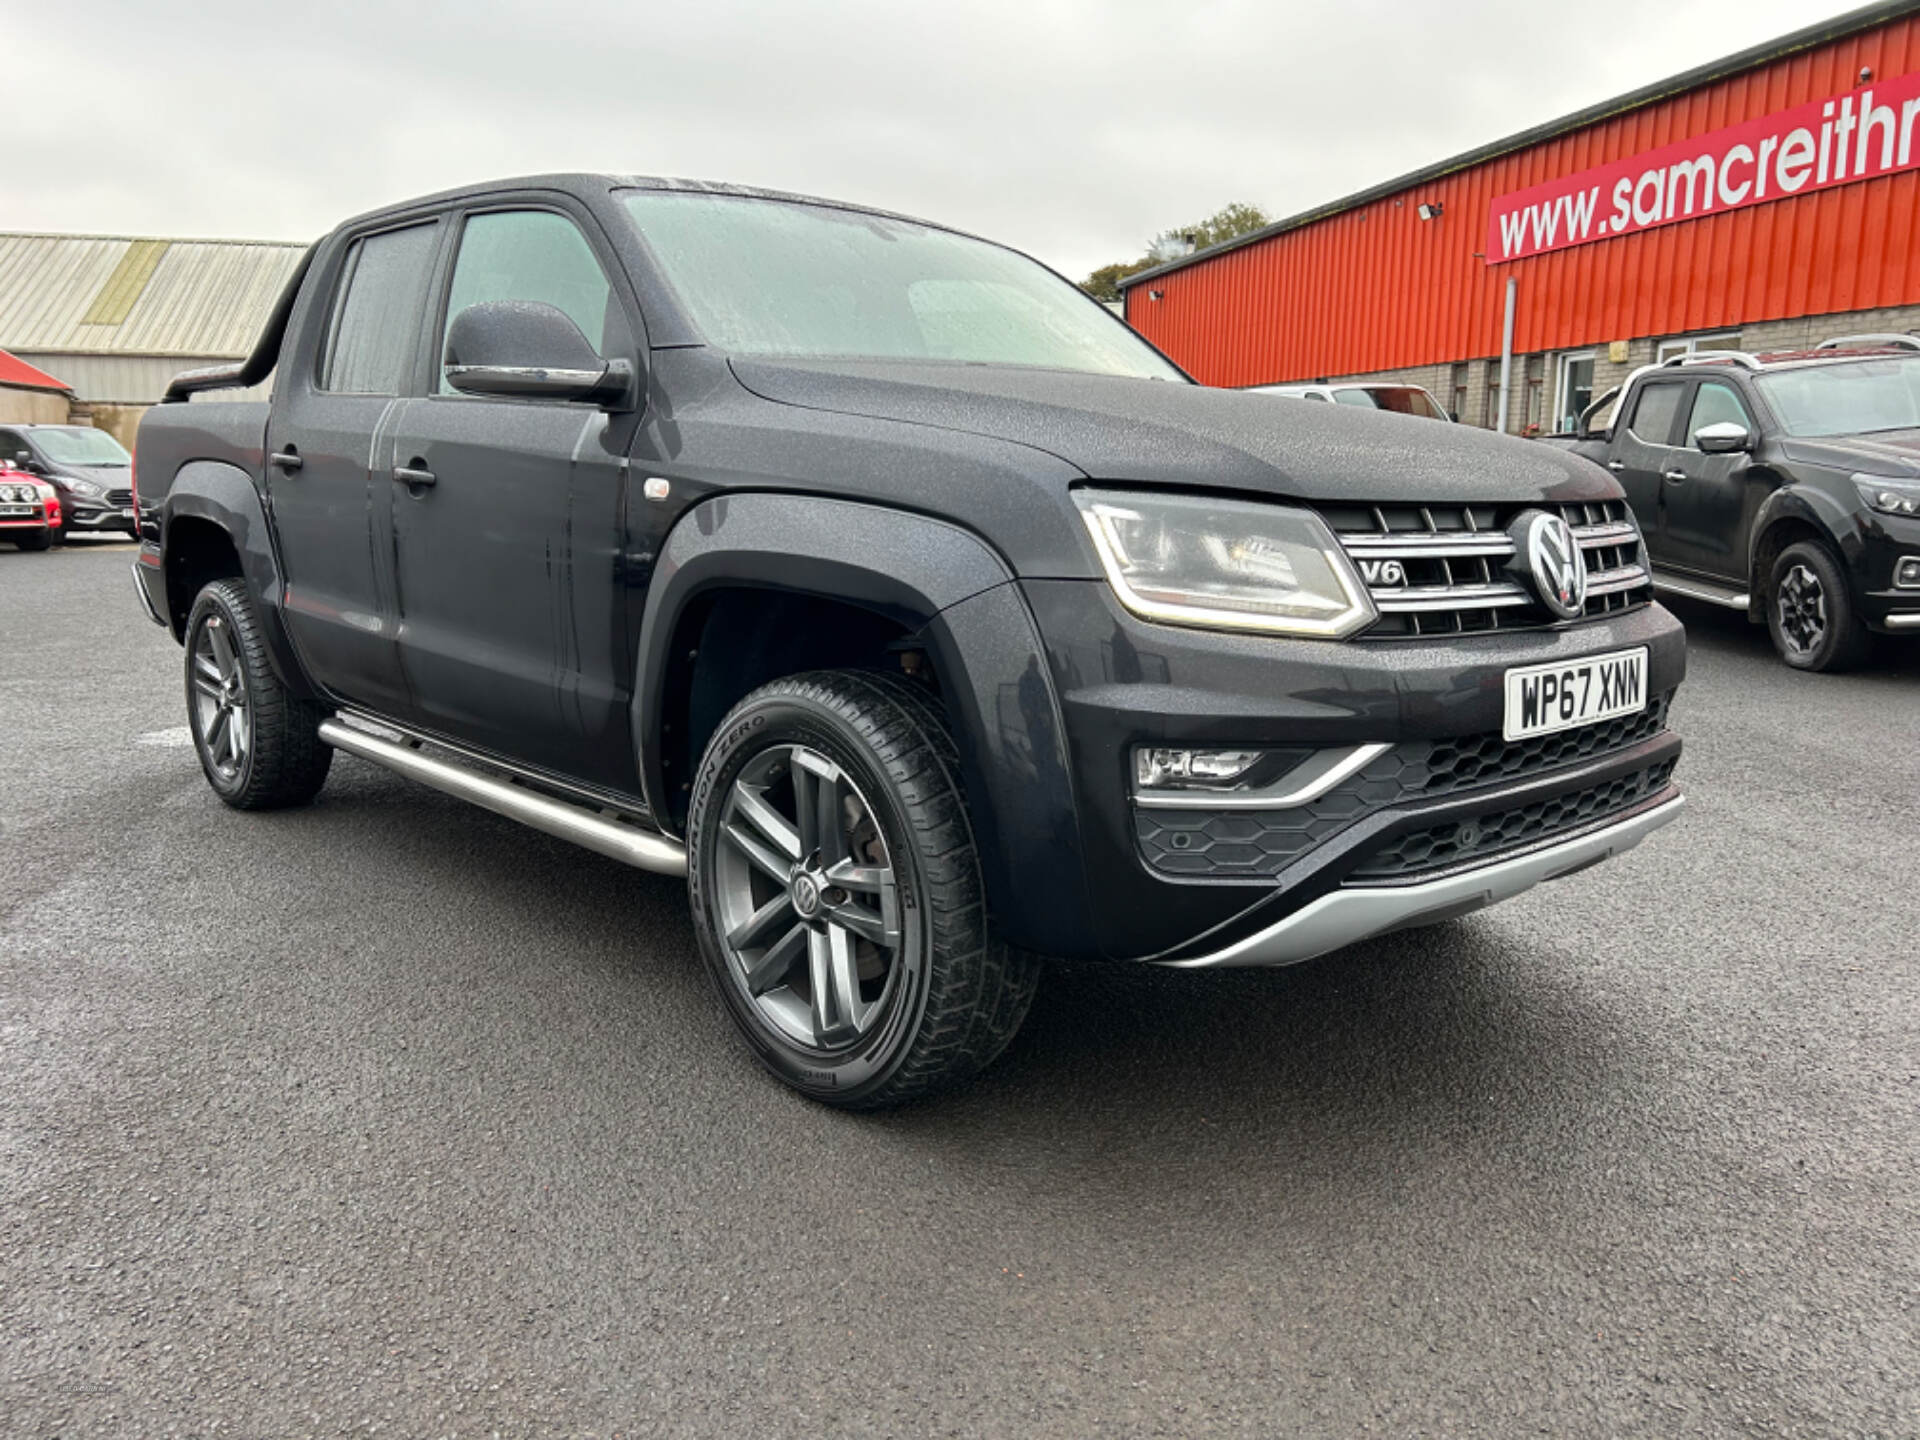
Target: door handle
{"points": [[414, 474], [288, 459], [1616, 465], [1676, 476]]}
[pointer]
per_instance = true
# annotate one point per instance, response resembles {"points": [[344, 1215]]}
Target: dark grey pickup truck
{"points": [[1785, 486], [911, 606]]}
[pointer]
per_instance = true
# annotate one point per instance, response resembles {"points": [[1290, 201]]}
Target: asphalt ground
{"points": [[389, 1117]]}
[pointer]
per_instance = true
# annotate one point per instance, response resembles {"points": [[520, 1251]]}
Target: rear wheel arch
{"points": [[214, 526]]}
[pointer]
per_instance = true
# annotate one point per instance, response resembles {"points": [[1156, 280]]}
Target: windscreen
{"points": [[1401, 399], [76, 445], [769, 277], [1850, 399]]}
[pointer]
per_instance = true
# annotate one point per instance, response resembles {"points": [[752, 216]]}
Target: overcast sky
{"points": [[1073, 130]]}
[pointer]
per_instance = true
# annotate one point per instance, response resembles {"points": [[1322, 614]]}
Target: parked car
{"points": [[1399, 399], [899, 596], [29, 509], [1785, 486], [91, 470]]}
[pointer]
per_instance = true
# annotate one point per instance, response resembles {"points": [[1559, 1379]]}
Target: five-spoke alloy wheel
{"points": [[222, 722], [837, 893], [807, 899], [259, 744]]}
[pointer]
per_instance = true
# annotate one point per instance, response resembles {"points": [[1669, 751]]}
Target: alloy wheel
{"points": [[1802, 606], [807, 899], [220, 705]]}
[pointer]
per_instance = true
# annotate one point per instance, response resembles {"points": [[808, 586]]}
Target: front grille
{"points": [[1441, 569], [1229, 844], [1438, 767], [1460, 841], [121, 499]]}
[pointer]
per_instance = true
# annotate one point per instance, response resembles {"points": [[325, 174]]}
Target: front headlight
{"points": [[86, 488], [1225, 564], [1889, 497]]}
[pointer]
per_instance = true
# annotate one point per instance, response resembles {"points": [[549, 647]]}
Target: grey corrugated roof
{"points": [[201, 297], [1839, 27]]}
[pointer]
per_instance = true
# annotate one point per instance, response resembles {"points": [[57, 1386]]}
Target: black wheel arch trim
{"points": [[949, 588], [1811, 505], [225, 496]]}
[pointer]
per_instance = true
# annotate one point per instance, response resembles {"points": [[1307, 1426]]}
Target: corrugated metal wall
{"points": [[116, 295], [1377, 288], [131, 379]]}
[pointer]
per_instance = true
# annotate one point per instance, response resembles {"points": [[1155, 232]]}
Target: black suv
{"points": [[1785, 486], [90, 469], [895, 593]]}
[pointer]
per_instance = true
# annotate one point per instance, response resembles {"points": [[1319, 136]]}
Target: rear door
{"points": [[1710, 501], [512, 630], [1642, 451], [329, 442]]}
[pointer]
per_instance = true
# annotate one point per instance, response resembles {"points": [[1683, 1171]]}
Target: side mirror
{"points": [[526, 348], [1723, 438]]}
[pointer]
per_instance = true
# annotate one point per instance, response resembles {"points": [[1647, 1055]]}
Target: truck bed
{"points": [[230, 432]]}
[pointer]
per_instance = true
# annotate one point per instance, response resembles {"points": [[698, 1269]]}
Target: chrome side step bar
{"points": [[591, 829], [1700, 590]]}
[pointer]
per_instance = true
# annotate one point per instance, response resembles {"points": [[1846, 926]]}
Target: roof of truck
{"points": [[574, 181]]}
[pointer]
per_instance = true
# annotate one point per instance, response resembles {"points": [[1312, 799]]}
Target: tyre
{"points": [[1810, 611], [38, 541], [259, 746], [837, 894]]}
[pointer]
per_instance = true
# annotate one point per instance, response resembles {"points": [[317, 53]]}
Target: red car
{"points": [[29, 509]]}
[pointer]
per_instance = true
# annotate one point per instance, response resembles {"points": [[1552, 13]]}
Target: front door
{"points": [[508, 516], [328, 440], [1642, 452], [1709, 497]]}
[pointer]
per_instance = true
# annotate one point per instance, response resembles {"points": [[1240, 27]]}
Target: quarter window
{"points": [[1653, 413], [540, 256], [377, 314]]}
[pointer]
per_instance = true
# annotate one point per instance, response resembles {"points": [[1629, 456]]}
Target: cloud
{"points": [[1073, 130]]}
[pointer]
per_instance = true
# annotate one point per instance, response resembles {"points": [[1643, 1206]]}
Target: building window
{"points": [[1692, 344], [1575, 388], [1457, 405]]}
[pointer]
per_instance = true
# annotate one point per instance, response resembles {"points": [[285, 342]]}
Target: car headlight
{"points": [[1889, 497], [1225, 564], [17, 494], [86, 488]]}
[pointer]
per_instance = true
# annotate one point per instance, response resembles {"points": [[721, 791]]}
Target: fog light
{"points": [[1906, 572], [1202, 768]]}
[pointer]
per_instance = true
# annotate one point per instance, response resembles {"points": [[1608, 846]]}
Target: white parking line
{"points": [[172, 738]]}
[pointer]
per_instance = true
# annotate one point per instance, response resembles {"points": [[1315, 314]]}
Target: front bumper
{"points": [[99, 518], [1884, 542], [1394, 827], [1345, 916]]}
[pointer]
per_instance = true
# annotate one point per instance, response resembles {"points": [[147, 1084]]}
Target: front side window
{"points": [[1654, 411], [377, 313], [770, 277], [1855, 398], [80, 445], [533, 255], [1716, 404]]}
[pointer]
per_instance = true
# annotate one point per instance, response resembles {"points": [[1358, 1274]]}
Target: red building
{"points": [[1765, 201]]}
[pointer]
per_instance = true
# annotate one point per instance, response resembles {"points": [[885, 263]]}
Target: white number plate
{"points": [[1544, 698]]}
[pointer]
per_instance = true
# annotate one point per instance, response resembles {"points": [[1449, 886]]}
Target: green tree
{"points": [[1228, 223]]}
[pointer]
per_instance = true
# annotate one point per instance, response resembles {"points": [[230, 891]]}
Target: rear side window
{"points": [[535, 255], [1653, 413], [377, 312]]}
